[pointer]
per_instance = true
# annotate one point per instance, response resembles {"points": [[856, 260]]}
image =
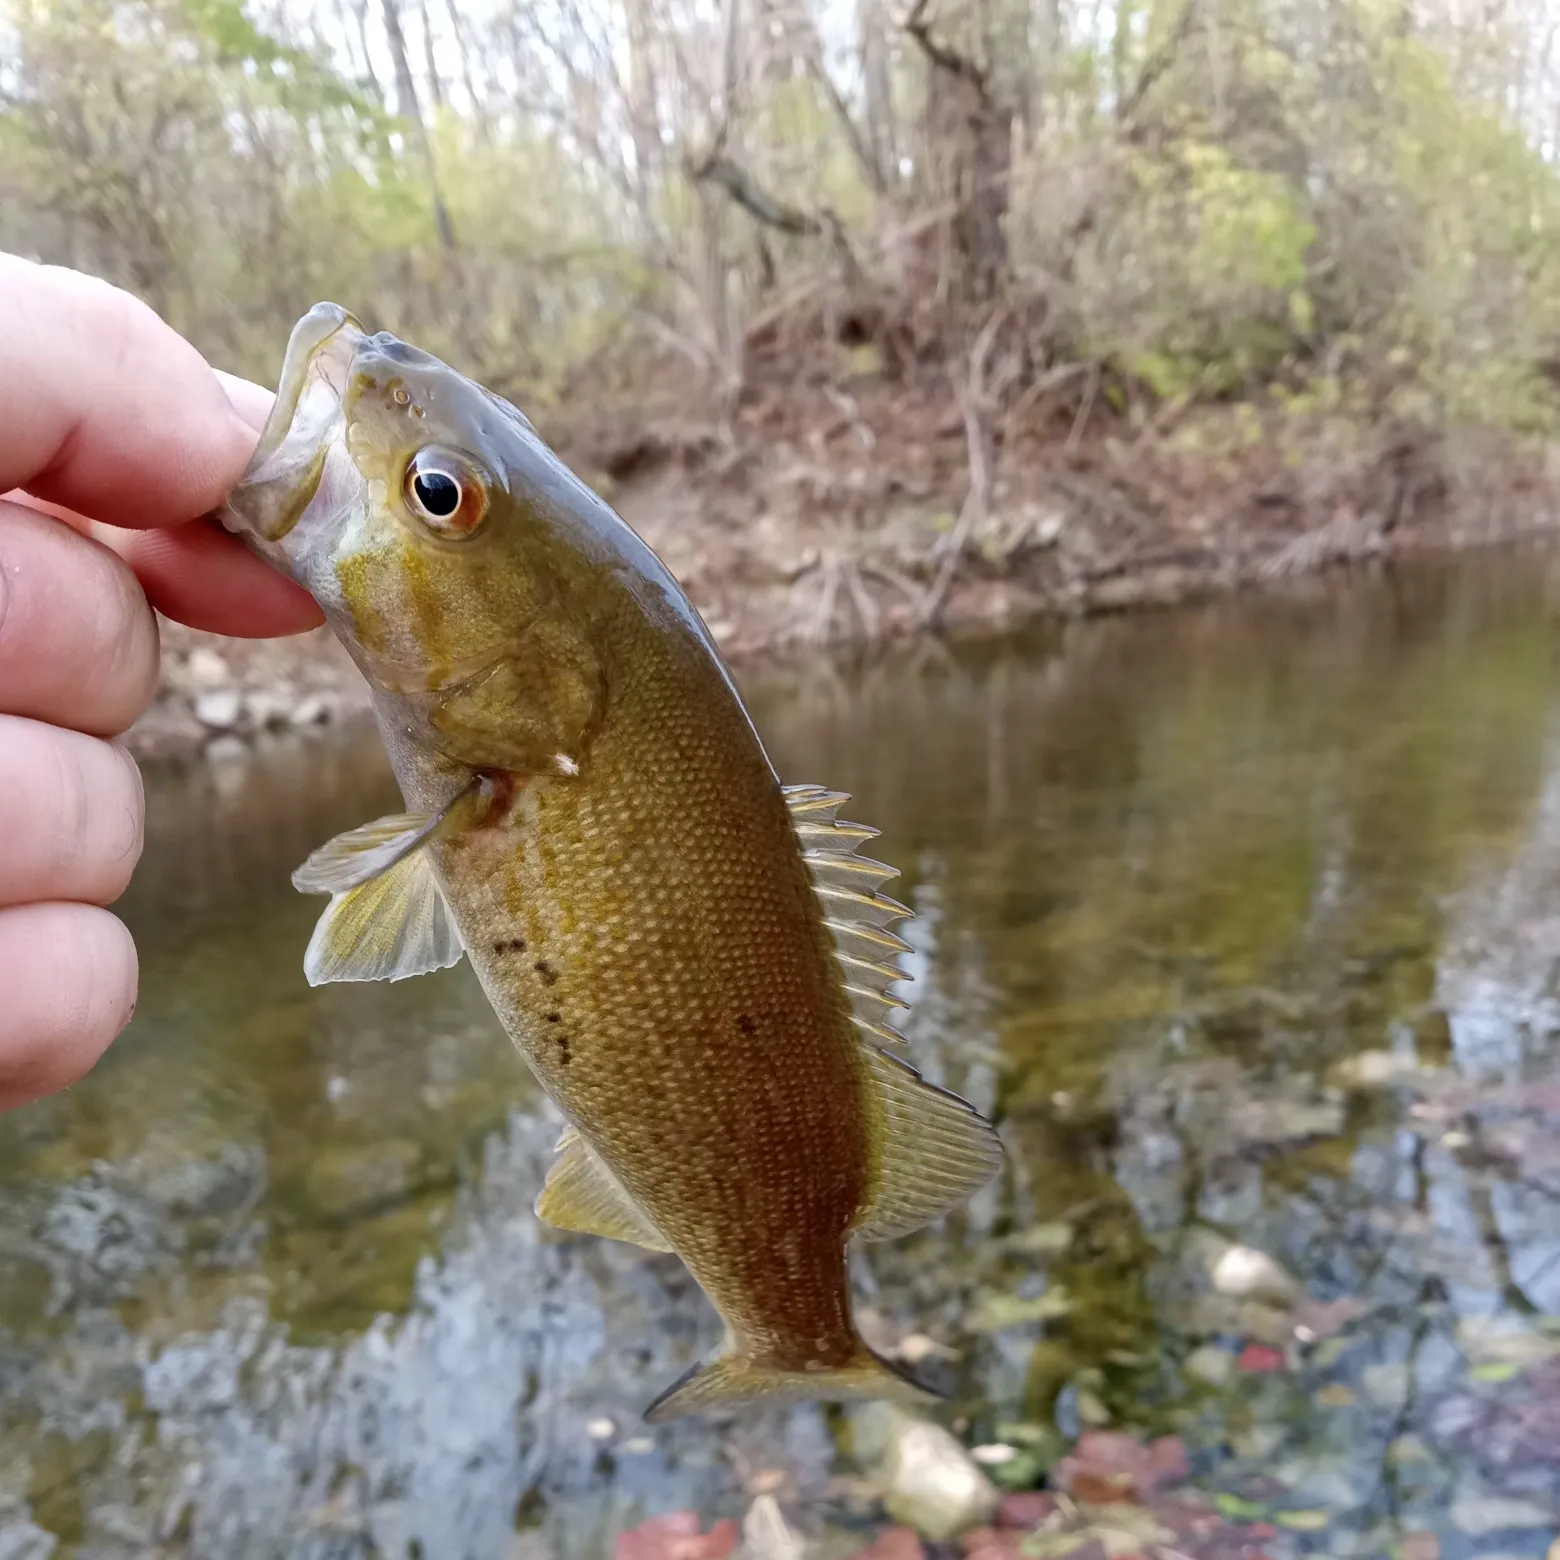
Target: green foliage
{"points": [[1311, 205]]}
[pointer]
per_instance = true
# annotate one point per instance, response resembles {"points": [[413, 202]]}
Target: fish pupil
{"points": [[437, 492]]}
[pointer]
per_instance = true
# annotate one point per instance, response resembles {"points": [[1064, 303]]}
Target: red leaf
{"points": [[895, 1543], [988, 1544], [1108, 1466], [676, 1536], [1259, 1357], [1026, 1510]]}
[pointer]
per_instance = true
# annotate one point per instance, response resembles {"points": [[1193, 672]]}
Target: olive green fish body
{"points": [[694, 960]]}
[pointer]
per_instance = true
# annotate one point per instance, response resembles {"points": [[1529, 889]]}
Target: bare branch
{"points": [[919, 28]]}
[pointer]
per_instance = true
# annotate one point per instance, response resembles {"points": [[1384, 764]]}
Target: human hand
{"points": [[115, 435]]}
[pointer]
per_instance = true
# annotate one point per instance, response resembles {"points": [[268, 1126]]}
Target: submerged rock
{"points": [[931, 1483], [1244, 1273]]}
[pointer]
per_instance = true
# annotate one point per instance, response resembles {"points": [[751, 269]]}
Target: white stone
{"points": [[219, 708]]}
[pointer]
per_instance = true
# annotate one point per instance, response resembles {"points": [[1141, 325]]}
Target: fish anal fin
{"points": [[736, 1377], [394, 925], [582, 1195], [933, 1150]]}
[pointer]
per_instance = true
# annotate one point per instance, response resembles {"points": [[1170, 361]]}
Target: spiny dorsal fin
{"points": [[581, 1194], [933, 1150], [857, 915]]}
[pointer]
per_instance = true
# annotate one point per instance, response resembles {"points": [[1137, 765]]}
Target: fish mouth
{"points": [[307, 421]]}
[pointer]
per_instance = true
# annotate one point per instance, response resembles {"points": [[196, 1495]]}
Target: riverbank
{"points": [[834, 512]]}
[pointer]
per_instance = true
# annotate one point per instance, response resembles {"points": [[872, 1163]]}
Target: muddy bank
{"points": [[832, 516]]}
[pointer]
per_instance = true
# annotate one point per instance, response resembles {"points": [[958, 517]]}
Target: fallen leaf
{"points": [[676, 1536], [1318, 1319], [1240, 1510], [1335, 1396], [1257, 1357], [1302, 1521], [1026, 1509], [1501, 1370], [987, 1544], [895, 1543], [1108, 1466], [1421, 1546]]}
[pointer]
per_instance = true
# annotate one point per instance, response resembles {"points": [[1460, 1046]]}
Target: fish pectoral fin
{"points": [[387, 918], [933, 1150], [581, 1194], [362, 853], [395, 925], [736, 1377]]}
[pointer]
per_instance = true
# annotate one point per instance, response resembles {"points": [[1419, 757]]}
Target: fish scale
{"points": [[696, 962]]}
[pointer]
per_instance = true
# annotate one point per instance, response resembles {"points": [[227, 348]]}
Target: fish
{"points": [[695, 959]]}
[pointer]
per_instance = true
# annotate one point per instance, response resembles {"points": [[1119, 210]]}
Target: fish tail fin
{"points": [[736, 1377]]}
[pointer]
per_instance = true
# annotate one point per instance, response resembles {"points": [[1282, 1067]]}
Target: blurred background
{"points": [[1239, 917]]}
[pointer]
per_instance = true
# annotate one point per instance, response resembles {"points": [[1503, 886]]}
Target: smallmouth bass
{"points": [[694, 959]]}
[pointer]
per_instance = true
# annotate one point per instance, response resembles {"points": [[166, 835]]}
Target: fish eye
{"points": [[445, 493]]}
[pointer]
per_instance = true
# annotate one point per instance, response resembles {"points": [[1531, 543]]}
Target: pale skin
{"points": [[115, 437]]}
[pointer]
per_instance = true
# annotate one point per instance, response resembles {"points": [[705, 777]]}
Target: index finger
{"points": [[106, 409]]}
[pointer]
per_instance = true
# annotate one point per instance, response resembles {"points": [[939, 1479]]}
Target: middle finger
{"points": [[74, 815]]}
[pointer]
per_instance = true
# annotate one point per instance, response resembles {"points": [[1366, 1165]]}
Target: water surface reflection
{"points": [[1243, 921]]}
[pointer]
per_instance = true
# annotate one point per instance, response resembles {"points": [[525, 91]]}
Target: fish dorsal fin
{"points": [[932, 1150], [387, 918], [581, 1194], [856, 914]]}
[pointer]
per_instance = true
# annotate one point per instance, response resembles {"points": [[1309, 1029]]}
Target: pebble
{"points": [[311, 710], [226, 750], [219, 708], [1211, 1365], [602, 1429], [206, 669], [268, 707], [1480, 1515]]}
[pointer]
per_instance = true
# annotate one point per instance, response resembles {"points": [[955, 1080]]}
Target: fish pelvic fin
{"points": [[581, 1194], [387, 917], [737, 1377]]}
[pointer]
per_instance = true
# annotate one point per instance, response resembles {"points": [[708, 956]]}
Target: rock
{"points": [[1389, 1384], [993, 1454], [205, 669], [1480, 1515], [267, 707], [1373, 1070], [766, 1535], [932, 1484], [226, 749], [896, 1543], [1210, 1364], [1244, 1273], [313, 710], [219, 709]]}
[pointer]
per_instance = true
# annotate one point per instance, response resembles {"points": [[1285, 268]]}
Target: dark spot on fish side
{"points": [[553, 1018], [565, 1052], [747, 1023], [547, 972], [509, 945]]}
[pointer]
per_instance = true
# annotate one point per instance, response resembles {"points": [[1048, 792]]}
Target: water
{"points": [[1244, 922]]}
